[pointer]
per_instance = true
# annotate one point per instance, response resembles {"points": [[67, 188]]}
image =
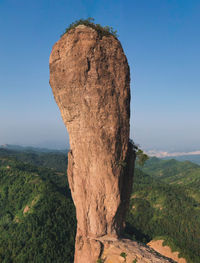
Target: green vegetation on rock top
{"points": [[102, 31]]}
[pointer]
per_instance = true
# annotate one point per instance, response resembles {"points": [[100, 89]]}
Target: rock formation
{"points": [[89, 76]]}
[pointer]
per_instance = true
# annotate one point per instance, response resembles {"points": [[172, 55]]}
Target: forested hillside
{"points": [[37, 216], [195, 158], [185, 174], [165, 204], [55, 160]]}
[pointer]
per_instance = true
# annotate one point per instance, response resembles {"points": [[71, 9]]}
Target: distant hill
{"points": [[30, 148], [195, 158], [170, 170], [56, 159], [185, 174]]}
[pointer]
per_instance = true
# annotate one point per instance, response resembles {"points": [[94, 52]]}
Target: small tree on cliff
{"points": [[141, 157]]}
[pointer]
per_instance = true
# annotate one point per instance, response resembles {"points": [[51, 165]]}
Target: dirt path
{"points": [[165, 250]]}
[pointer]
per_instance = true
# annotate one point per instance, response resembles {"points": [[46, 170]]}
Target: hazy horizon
{"points": [[161, 41]]}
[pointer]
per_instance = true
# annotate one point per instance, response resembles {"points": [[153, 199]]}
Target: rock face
{"points": [[89, 76]]}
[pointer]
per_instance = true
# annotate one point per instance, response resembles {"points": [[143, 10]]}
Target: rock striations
{"points": [[89, 76]]}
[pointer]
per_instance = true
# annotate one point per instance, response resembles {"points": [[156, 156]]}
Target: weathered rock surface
{"points": [[133, 251], [89, 76]]}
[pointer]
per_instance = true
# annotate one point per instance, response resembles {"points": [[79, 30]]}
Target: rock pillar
{"points": [[90, 79]]}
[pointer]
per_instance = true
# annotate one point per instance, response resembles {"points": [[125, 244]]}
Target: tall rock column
{"points": [[90, 79]]}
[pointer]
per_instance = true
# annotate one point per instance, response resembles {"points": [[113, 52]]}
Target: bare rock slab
{"points": [[124, 250]]}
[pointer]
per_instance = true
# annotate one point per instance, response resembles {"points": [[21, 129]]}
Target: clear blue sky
{"points": [[161, 39]]}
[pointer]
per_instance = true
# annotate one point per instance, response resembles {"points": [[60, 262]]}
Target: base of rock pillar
{"points": [[112, 250], [87, 250]]}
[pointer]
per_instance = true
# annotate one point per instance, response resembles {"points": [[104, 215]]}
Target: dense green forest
{"points": [[166, 204], [53, 159], [185, 174], [37, 216]]}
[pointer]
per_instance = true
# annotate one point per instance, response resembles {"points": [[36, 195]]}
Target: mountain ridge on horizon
{"points": [[193, 156], [31, 148]]}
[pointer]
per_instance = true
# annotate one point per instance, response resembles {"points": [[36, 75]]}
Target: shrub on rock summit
{"points": [[102, 31]]}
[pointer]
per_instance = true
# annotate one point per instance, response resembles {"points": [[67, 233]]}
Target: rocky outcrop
{"points": [[124, 250], [89, 76]]}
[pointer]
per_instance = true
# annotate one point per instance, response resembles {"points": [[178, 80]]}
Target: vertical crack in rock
{"points": [[90, 80]]}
